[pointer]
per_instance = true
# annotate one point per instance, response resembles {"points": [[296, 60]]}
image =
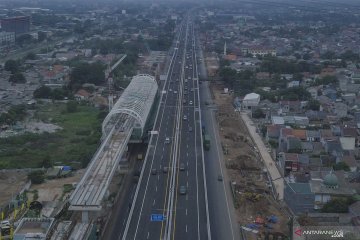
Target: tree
{"points": [[17, 78], [341, 166], [87, 73], [42, 92], [41, 36], [30, 56], [313, 104], [12, 66], [71, 106], [46, 162], [36, 177], [258, 113], [337, 205]]}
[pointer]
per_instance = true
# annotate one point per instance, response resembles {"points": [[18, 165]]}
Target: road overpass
{"points": [[130, 112]]}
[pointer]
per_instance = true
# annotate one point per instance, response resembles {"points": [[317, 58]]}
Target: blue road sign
{"points": [[157, 217]]}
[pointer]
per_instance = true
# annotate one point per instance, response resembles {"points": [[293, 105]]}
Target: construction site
{"points": [[258, 213]]}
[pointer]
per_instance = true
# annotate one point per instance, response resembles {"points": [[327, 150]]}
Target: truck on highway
{"points": [[206, 142], [140, 157]]}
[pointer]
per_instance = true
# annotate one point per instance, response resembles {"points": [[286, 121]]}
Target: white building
{"points": [[251, 100], [7, 38]]}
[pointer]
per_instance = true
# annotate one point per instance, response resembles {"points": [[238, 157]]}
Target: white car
{"points": [[190, 102]]}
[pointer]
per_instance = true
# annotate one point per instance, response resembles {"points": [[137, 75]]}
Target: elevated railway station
{"points": [[129, 119]]}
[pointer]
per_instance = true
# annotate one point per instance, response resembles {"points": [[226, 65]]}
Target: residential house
{"points": [[293, 144], [325, 134], [290, 106], [349, 98], [336, 130], [293, 84], [340, 109], [347, 143], [82, 94], [55, 75], [289, 162], [312, 135], [316, 115], [330, 92], [273, 133], [307, 147], [300, 134], [284, 133], [333, 147], [277, 120], [351, 162], [313, 92], [299, 198]]}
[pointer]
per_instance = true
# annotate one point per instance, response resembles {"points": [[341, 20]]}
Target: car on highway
{"points": [[167, 140], [165, 169], [182, 167], [190, 129], [153, 171], [190, 102], [220, 178], [185, 92], [182, 190], [185, 117], [175, 91], [184, 101]]}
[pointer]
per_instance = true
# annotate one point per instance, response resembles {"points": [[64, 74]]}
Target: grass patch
{"points": [[76, 142]]}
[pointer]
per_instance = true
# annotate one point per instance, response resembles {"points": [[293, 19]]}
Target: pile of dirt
{"points": [[252, 195]]}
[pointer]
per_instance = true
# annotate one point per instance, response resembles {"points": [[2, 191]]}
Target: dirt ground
{"points": [[11, 183], [52, 190], [252, 194]]}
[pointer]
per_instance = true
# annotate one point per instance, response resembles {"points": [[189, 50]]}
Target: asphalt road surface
{"points": [[160, 210]]}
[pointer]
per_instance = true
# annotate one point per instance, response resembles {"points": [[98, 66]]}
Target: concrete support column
{"points": [[85, 216]]}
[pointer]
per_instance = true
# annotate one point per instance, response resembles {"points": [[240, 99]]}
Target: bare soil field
{"points": [[11, 183], [52, 190], [252, 196]]}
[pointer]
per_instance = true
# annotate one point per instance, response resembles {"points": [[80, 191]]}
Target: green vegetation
{"points": [[76, 142], [12, 66], [17, 78], [338, 205], [326, 80], [37, 176], [14, 114], [87, 73], [341, 166], [258, 113], [48, 93]]}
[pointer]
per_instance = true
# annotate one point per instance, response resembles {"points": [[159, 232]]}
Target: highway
{"points": [[178, 216], [221, 208]]}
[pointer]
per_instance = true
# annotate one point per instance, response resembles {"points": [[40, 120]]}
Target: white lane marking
{"points": [[187, 163], [158, 177], [148, 235], [187, 184], [187, 154], [163, 149], [186, 228], [156, 189], [187, 173], [187, 197], [186, 212], [154, 202], [187, 146]]}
